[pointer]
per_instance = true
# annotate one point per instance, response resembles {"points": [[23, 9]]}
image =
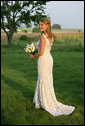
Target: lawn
{"points": [[18, 82]]}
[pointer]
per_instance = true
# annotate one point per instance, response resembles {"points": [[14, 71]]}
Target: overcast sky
{"points": [[69, 14]]}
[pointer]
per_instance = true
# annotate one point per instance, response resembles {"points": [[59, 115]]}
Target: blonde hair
{"points": [[47, 21]]}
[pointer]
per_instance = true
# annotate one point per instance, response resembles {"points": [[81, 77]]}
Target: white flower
{"points": [[31, 48], [27, 50], [27, 46], [36, 44], [31, 44]]}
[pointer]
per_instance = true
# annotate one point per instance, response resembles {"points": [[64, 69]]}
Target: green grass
{"points": [[18, 82]]}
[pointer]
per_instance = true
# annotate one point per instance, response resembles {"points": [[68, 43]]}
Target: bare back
{"points": [[50, 39]]}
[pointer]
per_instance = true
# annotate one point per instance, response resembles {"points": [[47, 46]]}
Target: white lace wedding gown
{"points": [[44, 96]]}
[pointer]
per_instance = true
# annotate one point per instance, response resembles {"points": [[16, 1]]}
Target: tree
{"points": [[56, 26], [28, 25], [13, 13]]}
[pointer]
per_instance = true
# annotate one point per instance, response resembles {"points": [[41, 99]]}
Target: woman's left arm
{"points": [[42, 47]]}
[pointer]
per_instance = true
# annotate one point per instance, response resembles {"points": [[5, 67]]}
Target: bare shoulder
{"points": [[42, 38]]}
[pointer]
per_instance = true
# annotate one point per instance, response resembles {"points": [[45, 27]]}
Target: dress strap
{"points": [[44, 35]]}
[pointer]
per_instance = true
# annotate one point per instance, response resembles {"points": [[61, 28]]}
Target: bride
{"points": [[44, 96]]}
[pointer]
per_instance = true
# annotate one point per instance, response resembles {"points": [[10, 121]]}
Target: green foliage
{"points": [[13, 13], [36, 29], [15, 7], [63, 45], [25, 31], [79, 30], [23, 37], [28, 25], [56, 26]]}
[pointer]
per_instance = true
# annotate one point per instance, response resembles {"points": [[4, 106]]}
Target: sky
{"points": [[69, 14]]}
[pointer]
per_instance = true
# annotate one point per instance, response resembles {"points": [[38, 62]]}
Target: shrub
{"points": [[25, 31], [36, 29], [79, 30], [56, 26], [23, 37]]}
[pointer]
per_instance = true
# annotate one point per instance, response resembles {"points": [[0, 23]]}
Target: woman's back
{"points": [[47, 46]]}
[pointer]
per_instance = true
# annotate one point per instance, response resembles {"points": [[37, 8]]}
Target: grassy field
{"points": [[19, 77]]}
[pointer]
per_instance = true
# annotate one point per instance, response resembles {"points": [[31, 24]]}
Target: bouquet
{"points": [[31, 48]]}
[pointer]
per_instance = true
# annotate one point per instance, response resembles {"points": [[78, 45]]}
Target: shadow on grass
{"points": [[27, 93], [4, 120]]}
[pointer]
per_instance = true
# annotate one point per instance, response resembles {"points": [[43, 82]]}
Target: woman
{"points": [[44, 94]]}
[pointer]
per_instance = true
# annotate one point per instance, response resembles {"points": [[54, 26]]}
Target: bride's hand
{"points": [[31, 56]]}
